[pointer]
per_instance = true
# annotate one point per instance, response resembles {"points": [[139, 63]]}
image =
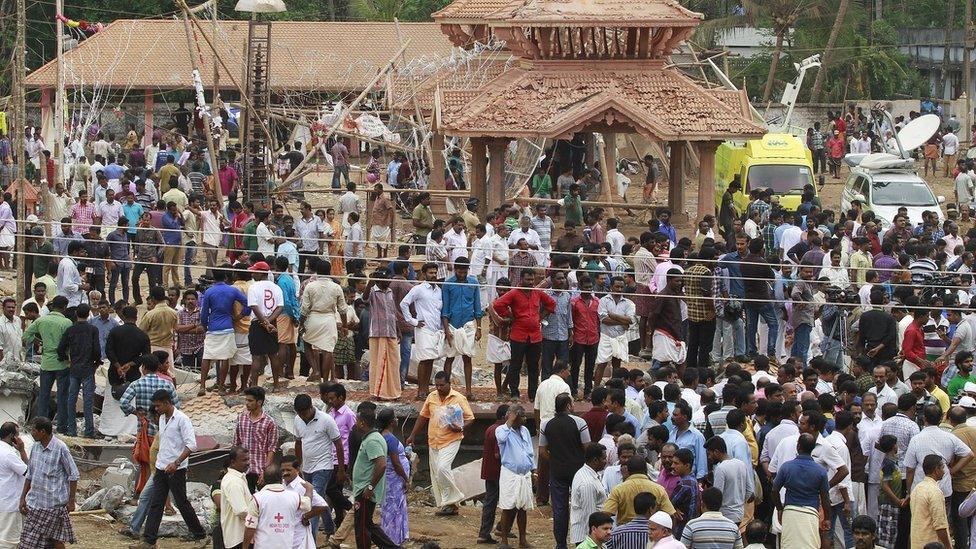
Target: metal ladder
{"points": [[259, 93]]}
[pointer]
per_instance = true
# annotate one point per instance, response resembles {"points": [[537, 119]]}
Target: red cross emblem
{"points": [[278, 517]]}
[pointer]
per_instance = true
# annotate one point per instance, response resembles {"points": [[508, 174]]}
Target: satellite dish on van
{"points": [[882, 161], [917, 132]]}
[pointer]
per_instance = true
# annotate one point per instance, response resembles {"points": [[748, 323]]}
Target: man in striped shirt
{"points": [[633, 535], [712, 530]]}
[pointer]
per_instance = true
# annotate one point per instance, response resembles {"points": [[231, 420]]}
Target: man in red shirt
{"points": [[491, 468], [586, 336], [913, 344], [522, 306]]}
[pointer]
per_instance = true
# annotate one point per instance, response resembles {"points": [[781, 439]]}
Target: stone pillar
{"points": [[590, 155], [496, 175], [147, 130], [479, 174], [608, 191], [437, 161], [706, 178], [676, 188]]}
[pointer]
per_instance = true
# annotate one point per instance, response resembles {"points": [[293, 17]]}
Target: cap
{"points": [[968, 402], [969, 387], [662, 519], [259, 266], [32, 218]]}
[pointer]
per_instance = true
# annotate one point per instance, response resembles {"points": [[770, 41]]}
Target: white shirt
{"points": [[110, 213], [426, 300], [480, 252], [69, 282], [12, 470], [308, 231], [191, 225], [886, 395], [11, 337], [791, 237], [823, 453], [457, 246], [545, 396], [862, 146], [617, 241], [265, 239], [864, 293], [275, 514], [839, 444], [211, 228], [692, 398], [950, 144], [532, 239], [751, 228], [303, 532], [266, 295], [933, 440], [175, 435], [318, 442], [586, 496], [348, 202], [499, 252]]}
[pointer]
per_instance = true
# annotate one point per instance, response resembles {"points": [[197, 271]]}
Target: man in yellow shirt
{"points": [[861, 261], [620, 502], [929, 520], [446, 414], [169, 174], [160, 321]]}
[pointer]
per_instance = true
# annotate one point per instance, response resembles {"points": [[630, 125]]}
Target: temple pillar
{"points": [[676, 188], [496, 174], [147, 128], [479, 174], [609, 175], [437, 180], [590, 149], [706, 178]]}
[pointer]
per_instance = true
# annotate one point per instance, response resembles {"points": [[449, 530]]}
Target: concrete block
{"points": [[468, 478]]}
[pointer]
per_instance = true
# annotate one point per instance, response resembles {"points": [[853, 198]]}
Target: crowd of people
{"points": [[800, 375]]}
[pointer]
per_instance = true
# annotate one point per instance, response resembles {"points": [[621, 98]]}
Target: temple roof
{"points": [[555, 100], [577, 12]]}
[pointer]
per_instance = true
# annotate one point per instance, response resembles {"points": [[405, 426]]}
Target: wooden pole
{"points": [[424, 129], [595, 203], [342, 115], [607, 152], [967, 71], [18, 142], [58, 94], [208, 134]]}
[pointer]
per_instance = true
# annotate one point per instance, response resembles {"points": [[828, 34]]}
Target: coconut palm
{"points": [[829, 50]]}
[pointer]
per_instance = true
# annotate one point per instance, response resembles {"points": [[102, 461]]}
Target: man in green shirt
{"points": [[50, 328], [601, 524], [964, 365], [422, 218], [573, 204], [369, 479]]}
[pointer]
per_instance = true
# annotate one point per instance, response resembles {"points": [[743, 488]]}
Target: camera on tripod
{"points": [[841, 296]]}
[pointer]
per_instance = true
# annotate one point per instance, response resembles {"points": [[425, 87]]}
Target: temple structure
{"points": [[586, 66]]}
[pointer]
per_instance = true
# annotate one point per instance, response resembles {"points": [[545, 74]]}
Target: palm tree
{"points": [[783, 14], [829, 50]]}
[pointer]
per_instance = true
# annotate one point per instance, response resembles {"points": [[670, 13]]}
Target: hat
{"points": [[969, 387], [661, 519], [968, 402], [32, 218], [259, 266]]}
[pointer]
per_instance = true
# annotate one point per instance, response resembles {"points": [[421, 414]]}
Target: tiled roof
{"points": [[737, 100], [543, 12], [634, 12], [553, 100], [305, 55]]}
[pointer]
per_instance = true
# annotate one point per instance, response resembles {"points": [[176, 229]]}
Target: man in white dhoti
{"points": [[461, 316], [428, 335], [13, 466], [517, 473], [323, 309], [480, 260], [616, 313], [499, 256]]}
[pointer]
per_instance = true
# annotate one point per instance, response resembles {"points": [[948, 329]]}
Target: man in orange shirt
{"points": [[446, 414]]}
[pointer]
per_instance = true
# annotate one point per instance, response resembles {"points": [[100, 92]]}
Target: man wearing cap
{"points": [[659, 531], [266, 301]]}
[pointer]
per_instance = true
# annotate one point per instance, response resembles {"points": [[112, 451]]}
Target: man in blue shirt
{"points": [[287, 323], [806, 490], [460, 312], [684, 435], [118, 255], [217, 316], [730, 265], [665, 227], [172, 229], [517, 472], [132, 211], [113, 170]]}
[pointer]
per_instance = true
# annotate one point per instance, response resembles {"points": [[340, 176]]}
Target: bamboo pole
{"points": [[19, 142], [424, 130], [598, 204], [342, 116], [207, 133]]}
